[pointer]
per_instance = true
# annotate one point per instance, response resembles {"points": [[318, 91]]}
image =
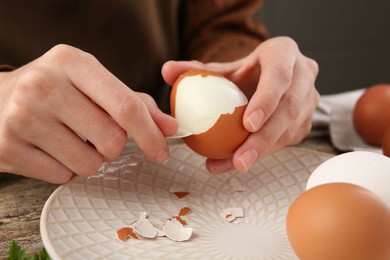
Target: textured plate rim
{"points": [[46, 208]]}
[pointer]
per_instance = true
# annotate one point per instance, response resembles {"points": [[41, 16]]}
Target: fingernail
{"points": [[220, 166], [161, 156], [248, 158], [255, 119]]}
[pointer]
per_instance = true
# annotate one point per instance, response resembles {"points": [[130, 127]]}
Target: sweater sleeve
{"points": [[220, 30]]}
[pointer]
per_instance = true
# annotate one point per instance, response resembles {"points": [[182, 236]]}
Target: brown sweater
{"points": [[132, 38]]}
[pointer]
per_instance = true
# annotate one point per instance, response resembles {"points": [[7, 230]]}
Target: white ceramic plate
{"points": [[80, 219]]}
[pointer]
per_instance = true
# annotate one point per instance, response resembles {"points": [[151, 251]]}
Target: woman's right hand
{"points": [[49, 107]]}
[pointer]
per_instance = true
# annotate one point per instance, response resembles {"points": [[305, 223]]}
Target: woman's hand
{"points": [[64, 113], [279, 80]]}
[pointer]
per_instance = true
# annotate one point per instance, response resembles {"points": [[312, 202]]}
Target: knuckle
{"points": [[289, 42], [66, 54], [114, 144], [21, 110], [129, 108], [267, 141], [147, 99], [30, 80], [295, 136], [284, 73], [32, 86], [61, 52], [90, 165], [313, 66], [292, 104], [288, 137]]}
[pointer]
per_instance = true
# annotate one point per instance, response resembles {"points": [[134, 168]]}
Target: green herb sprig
{"points": [[16, 252]]}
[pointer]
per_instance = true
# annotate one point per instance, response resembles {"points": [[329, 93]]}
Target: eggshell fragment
{"points": [[176, 231], [232, 214], [339, 221], [184, 211], [178, 191], [126, 232], [145, 229], [237, 185], [211, 107], [174, 228]]}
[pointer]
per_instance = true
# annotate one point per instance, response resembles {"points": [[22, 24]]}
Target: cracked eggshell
{"points": [[145, 229], [211, 107], [176, 231]]}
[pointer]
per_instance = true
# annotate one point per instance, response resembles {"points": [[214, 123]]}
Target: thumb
{"points": [[171, 70]]}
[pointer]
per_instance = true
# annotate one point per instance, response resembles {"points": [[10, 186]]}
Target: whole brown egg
{"points": [[371, 114], [339, 221]]}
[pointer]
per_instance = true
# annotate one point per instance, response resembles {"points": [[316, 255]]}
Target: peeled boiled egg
{"points": [[339, 221], [371, 113], [211, 108], [367, 169]]}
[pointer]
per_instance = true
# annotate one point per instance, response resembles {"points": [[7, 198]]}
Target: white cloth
{"points": [[334, 114]]}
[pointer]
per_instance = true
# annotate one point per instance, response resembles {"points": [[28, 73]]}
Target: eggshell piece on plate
{"points": [[176, 231], [145, 229], [339, 221], [125, 233]]}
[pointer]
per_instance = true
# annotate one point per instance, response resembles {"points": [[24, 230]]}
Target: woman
{"points": [[95, 69]]}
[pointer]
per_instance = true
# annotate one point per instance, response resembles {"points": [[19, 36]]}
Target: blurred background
{"points": [[350, 39]]}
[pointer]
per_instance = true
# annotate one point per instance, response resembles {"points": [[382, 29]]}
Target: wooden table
{"points": [[22, 200]]}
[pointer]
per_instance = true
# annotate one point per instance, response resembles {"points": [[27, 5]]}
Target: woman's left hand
{"points": [[279, 80]]}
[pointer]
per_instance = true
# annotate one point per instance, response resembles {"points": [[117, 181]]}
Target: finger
{"points": [[217, 166], [89, 121], [171, 70], [294, 109], [231, 70], [244, 72], [30, 161], [114, 97], [64, 145], [276, 77], [293, 135], [166, 123]]}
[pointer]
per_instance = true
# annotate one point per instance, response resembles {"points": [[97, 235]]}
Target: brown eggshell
{"points": [[371, 114], [386, 143], [339, 221], [222, 139]]}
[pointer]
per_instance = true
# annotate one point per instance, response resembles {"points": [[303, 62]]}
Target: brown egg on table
{"points": [[339, 221], [371, 114], [211, 108], [386, 143]]}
